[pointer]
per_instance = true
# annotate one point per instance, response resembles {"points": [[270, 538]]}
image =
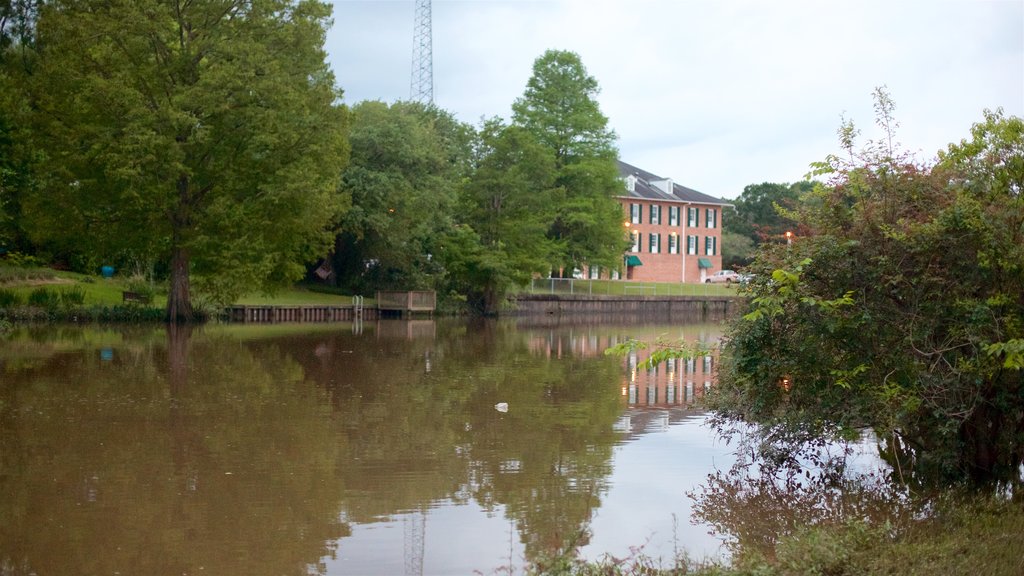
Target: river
{"points": [[389, 447]]}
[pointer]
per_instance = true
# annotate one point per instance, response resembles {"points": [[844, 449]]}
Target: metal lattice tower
{"points": [[422, 56], [414, 525]]}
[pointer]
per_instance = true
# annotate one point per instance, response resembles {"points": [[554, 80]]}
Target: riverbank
{"points": [[976, 536]]}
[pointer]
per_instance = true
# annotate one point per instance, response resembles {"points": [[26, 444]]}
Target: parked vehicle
{"points": [[727, 276]]}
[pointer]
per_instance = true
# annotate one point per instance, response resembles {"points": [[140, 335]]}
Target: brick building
{"points": [[676, 232]]}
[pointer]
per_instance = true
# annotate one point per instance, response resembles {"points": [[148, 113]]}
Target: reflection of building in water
{"points": [[676, 382]]}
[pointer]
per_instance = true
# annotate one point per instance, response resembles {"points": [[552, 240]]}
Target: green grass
{"points": [[108, 291], [296, 296], [626, 288]]}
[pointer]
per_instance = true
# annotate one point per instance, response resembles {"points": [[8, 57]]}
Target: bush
{"points": [[141, 288], [19, 260], [9, 298], [44, 298], [72, 297]]}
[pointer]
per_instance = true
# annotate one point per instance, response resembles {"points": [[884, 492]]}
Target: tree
{"points": [[17, 41], [763, 211], [901, 309], [505, 212], [737, 250], [406, 164], [205, 135], [559, 108]]}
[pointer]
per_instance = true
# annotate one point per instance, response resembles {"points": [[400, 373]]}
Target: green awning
{"points": [[703, 263], [633, 261]]}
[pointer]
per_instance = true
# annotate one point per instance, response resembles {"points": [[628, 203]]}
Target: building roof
{"points": [[647, 189]]}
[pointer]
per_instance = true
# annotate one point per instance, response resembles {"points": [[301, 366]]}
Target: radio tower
{"points": [[422, 56]]}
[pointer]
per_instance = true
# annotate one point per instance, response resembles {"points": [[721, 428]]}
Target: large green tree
{"points": [[406, 165], [901, 308], [17, 58], [559, 107], [206, 136], [505, 210], [763, 211]]}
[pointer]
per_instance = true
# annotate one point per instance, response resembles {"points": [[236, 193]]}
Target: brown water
{"points": [[345, 449]]}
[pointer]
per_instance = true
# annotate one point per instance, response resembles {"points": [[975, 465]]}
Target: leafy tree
{"points": [[902, 308], [204, 135], [762, 211], [405, 168], [560, 109], [17, 41], [505, 210], [737, 250]]}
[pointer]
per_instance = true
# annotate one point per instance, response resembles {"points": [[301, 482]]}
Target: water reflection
{"points": [[340, 449]]}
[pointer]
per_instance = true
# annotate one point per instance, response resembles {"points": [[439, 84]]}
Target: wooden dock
{"points": [[274, 314], [402, 304], [407, 303]]}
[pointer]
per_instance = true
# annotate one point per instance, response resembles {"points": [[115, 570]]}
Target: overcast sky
{"points": [[715, 94]]}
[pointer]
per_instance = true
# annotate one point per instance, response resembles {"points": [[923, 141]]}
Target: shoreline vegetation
{"points": [[38, 294], [970, 534]]}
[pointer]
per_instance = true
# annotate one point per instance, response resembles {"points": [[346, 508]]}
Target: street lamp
{"points": [[789, 237]]}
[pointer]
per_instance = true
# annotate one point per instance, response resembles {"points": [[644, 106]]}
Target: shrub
{"points": [[44, 298], [142, 288], [9, 298], [72, 297]]}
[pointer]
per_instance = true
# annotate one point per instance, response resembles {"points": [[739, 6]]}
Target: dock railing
{"points": [[408, 302]]}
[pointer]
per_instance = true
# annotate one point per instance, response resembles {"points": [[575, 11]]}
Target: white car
{"points": [[727, 276]]}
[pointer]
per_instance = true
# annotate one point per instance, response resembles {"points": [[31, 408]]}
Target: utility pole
{"points": [[422, 85]]}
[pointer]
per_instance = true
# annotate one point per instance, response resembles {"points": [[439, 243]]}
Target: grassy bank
{"points": [[18, 284], [980, 536]]}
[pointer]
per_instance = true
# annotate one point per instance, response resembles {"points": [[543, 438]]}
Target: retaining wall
{"points": [[581, 304]]}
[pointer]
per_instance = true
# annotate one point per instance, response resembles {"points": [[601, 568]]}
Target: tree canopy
{"points": [[560, 109], [505, 211], [899, 307], [407, 162], [204, 136]]}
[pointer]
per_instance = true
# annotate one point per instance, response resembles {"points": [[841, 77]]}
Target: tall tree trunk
{"points": [[179, 301], [491, 300]]}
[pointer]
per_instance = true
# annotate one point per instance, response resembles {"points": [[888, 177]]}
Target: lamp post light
{"points": [[789, 237]]}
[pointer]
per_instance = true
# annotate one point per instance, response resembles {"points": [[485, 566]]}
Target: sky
{"points": [[714, 94]]}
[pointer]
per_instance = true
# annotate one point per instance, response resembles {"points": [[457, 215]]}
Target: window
{"points": [[712, 217], [595, 272], [707, 364], [636, 241], [691, 245], [615, 274], [673, 244], [654, 243], [710, 245], [634, 213], [673, 215], [693, 216], [655, 214]]}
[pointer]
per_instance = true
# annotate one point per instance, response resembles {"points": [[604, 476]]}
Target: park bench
{"points": [[129, 296]]}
